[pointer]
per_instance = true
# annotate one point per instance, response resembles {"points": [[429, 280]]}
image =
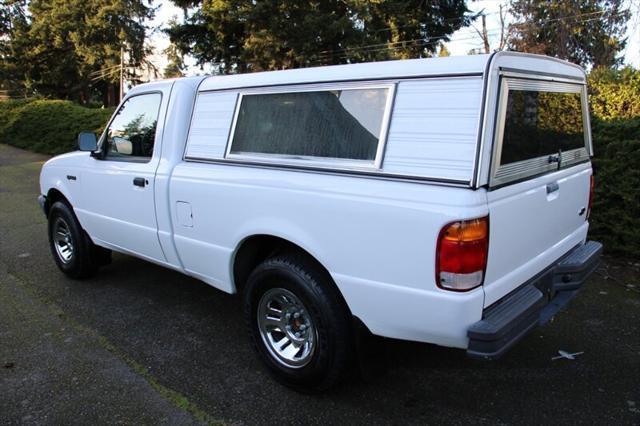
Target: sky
{"points": [[462, 41]]}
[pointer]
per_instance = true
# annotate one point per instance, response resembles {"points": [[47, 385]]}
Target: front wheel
{"points": [[73, 251], [298, 322]]}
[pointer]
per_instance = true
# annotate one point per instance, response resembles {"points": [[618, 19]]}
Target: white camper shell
{"points": [[441, 200]]}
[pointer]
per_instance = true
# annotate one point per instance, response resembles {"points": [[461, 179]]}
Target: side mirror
{"points": [[87, 141]]}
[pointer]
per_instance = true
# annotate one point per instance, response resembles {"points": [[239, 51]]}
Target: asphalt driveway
{"points": [[139, 344]]}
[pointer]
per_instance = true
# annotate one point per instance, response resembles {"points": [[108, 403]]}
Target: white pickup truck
{"points": [[439, 200]]}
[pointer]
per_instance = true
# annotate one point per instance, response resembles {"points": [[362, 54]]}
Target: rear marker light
{"points": [[461, 256]]}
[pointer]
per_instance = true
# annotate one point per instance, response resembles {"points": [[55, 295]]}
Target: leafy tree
{"points": [[586, 32], [245, 35], [71, 49]]}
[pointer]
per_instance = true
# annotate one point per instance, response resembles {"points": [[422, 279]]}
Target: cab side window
{"points": [[132, 132]]}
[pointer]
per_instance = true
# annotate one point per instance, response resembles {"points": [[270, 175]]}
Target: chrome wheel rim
{"points": [[62, 240], [286, 328]]}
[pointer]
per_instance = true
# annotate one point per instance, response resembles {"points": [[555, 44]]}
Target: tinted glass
{"points": [[541, 123], [334, 124], [132, 132]]}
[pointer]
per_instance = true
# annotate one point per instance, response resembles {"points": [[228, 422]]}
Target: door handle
{"points": [[139, 181], [552, 187]]}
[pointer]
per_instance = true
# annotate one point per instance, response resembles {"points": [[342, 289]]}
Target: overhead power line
{"points": [[411, 43], [104, 69], [106, 74], [458, 18], [393, 46], [562, 18]]}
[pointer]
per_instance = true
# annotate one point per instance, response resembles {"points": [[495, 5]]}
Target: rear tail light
{"points": [[592, 185], [461, 257]]}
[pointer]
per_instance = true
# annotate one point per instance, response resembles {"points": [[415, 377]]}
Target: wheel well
{"points": [[257, 248], [253, 251], [52, 196]]}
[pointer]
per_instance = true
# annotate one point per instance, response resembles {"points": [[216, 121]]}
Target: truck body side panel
{"points": [[375, 237]]}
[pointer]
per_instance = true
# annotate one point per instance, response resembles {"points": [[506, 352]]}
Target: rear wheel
{"points": [[298, 322], [72, 249]]}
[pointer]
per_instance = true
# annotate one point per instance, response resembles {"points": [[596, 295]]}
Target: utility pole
{"points": [[121, 73]]}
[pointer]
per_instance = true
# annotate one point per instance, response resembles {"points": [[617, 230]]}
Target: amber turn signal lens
{"points": [[468, 230]]}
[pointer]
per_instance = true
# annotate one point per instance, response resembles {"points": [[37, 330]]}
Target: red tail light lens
{"points": [[462, 254], [592, 186]]}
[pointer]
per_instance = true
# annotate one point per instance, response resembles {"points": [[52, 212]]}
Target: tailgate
{"points": [[540, 183]]}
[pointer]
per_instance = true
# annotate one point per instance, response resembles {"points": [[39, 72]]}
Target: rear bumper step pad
{"points": [[507, 321]]}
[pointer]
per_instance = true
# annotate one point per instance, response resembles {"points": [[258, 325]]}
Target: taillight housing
{"points": [[461, 256], [592, 187]]}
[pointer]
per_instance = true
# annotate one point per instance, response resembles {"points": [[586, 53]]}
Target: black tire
{"points": [[85, 257], [326, 309]]}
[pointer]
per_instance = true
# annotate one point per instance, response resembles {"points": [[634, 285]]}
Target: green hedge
{"points": [[48, 126], [615, 109], [615, 220]]}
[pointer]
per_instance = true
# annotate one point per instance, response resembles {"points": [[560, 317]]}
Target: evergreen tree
{"points": [[245, 35], [586, 32], [175, 67], [71, 49], [12, 20]]}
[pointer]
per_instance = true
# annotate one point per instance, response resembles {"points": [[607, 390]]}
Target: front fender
{"points": [[50, 179], [62, 173]]}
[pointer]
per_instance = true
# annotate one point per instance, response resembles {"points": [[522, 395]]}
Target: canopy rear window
{"points": [[541, 128]]}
